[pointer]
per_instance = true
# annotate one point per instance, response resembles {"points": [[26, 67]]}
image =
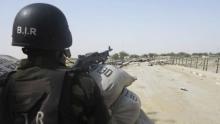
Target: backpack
{"points": [[44, 108]]}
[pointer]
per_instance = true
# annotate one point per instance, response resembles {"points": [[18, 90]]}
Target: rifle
{"points": [[85, 62]]}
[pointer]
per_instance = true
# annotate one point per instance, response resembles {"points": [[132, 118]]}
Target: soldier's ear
{"points": [[25, 50]]}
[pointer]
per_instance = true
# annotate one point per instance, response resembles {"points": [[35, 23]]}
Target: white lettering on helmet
{"points": [[33, 31], [26, 30], [19, 30]]}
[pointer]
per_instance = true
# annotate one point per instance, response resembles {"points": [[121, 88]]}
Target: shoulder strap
{"points": [[4, 78], [5, 116], [67, 115]]}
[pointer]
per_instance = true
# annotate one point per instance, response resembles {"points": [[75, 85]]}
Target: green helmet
{"points": [[41, 26]]}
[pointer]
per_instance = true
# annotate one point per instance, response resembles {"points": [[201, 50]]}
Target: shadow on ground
{"points": [[144, 119]]}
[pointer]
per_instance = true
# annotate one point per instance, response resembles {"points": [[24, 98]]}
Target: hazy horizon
{"points": [[136, 27]]}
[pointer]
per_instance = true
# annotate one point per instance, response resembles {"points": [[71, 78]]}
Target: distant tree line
{"points": [[122, 55]]}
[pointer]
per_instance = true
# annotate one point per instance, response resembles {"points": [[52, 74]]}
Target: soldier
{"points": [[43, 90]]}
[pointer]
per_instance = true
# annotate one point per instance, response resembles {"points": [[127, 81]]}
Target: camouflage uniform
{"points": [[81, 101]]}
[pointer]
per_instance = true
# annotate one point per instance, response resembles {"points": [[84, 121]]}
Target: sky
{"points": [[133, 26]]}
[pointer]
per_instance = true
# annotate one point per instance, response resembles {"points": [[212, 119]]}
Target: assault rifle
{"points": [[84, 62]]}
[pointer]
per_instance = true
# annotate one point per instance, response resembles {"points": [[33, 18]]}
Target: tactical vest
{"points": [[33, 96]]}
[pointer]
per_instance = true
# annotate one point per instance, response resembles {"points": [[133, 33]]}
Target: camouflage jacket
{"points": [[80, 102]]}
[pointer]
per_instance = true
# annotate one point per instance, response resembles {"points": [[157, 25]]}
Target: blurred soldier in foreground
{"points": [[43, 90]]}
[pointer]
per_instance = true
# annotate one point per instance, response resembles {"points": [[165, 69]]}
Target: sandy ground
{"points": [[176, 95]]}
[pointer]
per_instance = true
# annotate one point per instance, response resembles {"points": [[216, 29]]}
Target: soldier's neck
{"points": [[43, 62]]}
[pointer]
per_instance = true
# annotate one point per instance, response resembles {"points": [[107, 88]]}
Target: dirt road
{"points": [[177, 95]]}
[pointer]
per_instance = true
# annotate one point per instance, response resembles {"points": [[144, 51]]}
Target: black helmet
{"points": [[41, 26]]}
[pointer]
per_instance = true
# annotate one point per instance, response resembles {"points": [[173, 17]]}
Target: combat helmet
{"points": [[41, 26]]}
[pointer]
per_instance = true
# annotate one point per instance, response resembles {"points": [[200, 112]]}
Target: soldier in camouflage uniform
{"points": [[43, 90]]}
